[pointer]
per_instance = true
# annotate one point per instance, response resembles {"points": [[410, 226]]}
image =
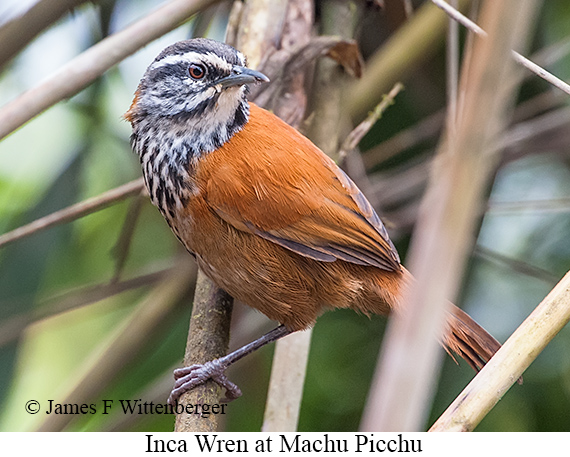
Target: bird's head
{"points": [[197, 85]]}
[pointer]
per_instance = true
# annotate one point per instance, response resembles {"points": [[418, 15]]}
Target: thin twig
{"points": [[541, 72], [456, 15], [551, 205], [81, 71], [21, 30], [354, 137], [452, 73], [552, 53], [415, 41], [539, 104], [523, 131], [349, 155], [121, 249], [404, 184], [427, 129], [124, 343], [509, 363], [73, 212], [424, 130], [12, 327], [528, 64], [515, 264]]}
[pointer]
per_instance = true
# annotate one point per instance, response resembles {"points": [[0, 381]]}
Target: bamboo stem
{"points": [[410, 359], [509, 363], [289, 366], [287, 381]]}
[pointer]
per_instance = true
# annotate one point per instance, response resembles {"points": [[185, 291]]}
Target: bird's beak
{"points": [[241, 76]]}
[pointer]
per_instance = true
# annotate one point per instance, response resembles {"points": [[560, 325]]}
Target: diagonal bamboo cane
{"points": [[81, 71], [509, 363]]}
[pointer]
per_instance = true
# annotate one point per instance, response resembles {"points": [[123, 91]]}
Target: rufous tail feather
{"points": [[468, 339], [462, 336]]}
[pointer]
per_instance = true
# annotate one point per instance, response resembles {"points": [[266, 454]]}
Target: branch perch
{"points": [[21, 30], [509, 363], [208, 339], [209, 333]]}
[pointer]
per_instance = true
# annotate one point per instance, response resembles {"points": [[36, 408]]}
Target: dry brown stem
{"points": [[73, 212], [81, 71], [402, 388]]}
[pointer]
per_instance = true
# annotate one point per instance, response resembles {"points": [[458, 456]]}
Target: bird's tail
{"points": [[468, 339], [462, 335]]}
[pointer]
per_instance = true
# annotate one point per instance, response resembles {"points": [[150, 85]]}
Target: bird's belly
{"points": [[262, 275], [285, 286]]}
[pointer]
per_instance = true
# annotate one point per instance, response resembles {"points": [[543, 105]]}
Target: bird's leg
{"points": [[189, 377]]}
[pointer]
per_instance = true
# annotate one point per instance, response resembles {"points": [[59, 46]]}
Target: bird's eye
{"points": [[197, 71]]}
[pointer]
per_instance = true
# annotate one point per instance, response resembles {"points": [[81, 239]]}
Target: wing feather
{"points": [[292, 194]]}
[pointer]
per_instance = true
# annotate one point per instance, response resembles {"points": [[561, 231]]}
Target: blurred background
{"points": [[81, 308]]}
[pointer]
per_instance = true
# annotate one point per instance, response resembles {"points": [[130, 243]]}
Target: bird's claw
{"points": [[188, 378]]}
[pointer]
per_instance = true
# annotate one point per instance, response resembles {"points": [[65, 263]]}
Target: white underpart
{"points": [[203, 132], [202, 128]]}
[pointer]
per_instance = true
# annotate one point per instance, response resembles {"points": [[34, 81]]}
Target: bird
{"points": [[267, 215]]}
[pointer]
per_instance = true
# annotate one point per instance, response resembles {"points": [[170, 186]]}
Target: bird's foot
{"points": [[189, 377]]}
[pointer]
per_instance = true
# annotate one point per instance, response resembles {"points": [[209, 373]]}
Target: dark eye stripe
{"points": [[181, 70], [214, 72], [166, 71], [199, 109]]}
